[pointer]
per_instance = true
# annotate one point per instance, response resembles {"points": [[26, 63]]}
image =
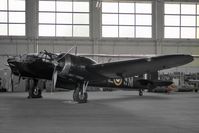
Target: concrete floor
{"points": [[106, 112]]}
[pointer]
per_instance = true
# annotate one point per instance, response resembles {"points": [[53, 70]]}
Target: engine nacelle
{"points": [[64, 65], [74, 66]]}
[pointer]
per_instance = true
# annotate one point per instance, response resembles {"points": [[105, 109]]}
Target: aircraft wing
{"points": [[128, 68]]}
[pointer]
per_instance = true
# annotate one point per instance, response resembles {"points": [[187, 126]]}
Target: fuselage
{"points": [[41, 66], [70, 69]]}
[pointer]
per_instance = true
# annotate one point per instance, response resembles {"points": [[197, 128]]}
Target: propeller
{"points": [[54, 78], [12, 81], [55, 73], [55, 62], [68, 52]]}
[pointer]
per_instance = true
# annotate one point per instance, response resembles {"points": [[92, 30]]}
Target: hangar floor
{"points": [[106, 112]]}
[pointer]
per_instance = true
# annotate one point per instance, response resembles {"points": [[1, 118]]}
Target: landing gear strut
{"points": [[140, 92], [80, 95], [33, 89]]}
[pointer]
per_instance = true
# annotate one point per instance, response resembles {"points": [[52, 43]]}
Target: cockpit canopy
{"points": [[46, 55]]}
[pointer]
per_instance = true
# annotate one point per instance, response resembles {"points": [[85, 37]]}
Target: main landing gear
{"points": [[140, 92], [33, 89], [80, 95]]}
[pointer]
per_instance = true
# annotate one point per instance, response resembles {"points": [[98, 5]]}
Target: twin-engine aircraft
{"points": [[77, 72]]}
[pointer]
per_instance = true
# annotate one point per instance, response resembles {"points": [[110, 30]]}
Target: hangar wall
{"points": [[95, 44]]}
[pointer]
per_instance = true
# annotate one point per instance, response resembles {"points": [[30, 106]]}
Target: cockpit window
{"points": [[24, 56], [41, 54], [46, 55]]}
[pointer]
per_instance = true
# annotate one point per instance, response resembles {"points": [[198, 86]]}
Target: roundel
{"points": [[117, 82]]}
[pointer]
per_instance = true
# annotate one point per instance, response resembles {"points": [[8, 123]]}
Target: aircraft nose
{"points": [[11, 60]]}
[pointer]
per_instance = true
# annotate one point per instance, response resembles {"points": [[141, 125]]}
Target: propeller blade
{"points": [[66, 53], [12, 82], [54, 78], [75, 50], [19, 79]]}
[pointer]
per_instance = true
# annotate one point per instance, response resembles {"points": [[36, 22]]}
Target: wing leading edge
{"points": [[134, 67]]}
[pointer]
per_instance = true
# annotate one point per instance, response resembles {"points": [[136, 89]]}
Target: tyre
{"points": [[140, 93], [79, 96], [34, 91]]}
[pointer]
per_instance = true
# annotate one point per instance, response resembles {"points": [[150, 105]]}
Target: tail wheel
{"points": [[33, 90], [80, 96]]}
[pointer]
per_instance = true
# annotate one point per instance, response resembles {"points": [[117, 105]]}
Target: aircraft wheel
{"points": [[196, 90], [34, 91], [140, 93], [79, 96]]}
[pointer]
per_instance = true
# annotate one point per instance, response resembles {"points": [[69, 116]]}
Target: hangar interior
{"points": [[113, 30], [110, 27]]}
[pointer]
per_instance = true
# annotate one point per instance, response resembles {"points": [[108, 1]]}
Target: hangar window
{"points": [[64, 18], [181, 20], [127, 20], [12, 18]]}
